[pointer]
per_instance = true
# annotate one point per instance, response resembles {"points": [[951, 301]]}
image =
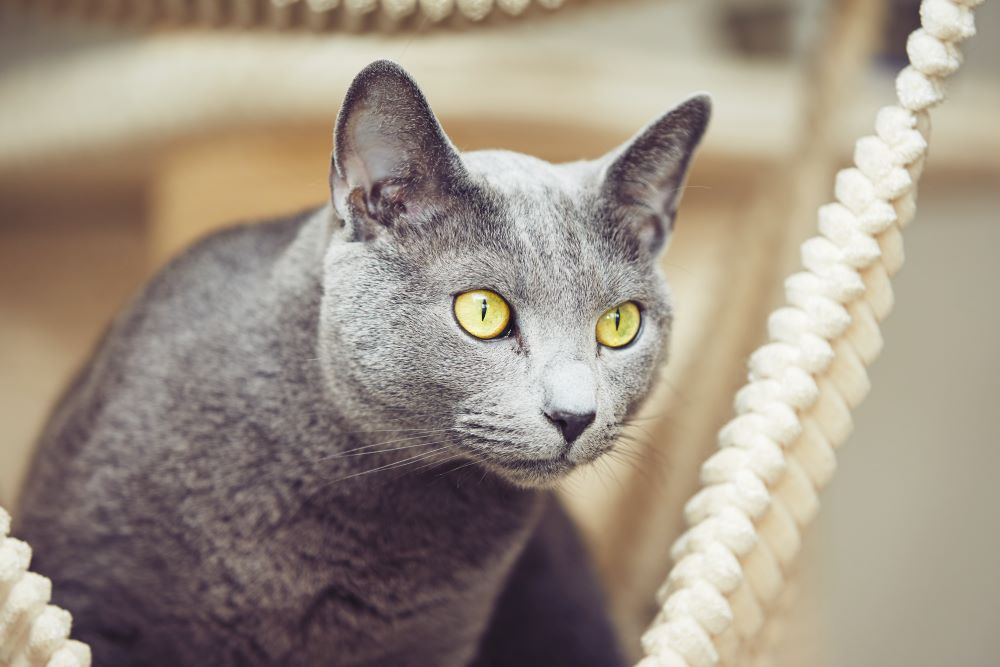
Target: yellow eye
{"points": [[619, 325], [482, 313]]}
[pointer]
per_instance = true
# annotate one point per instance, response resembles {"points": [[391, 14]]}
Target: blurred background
{"points": [[129, 128]]}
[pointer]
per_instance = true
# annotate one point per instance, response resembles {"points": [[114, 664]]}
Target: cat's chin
{"points": [[532, 473]]}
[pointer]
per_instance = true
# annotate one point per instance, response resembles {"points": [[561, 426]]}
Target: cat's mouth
{"points": [[540, 472], [528, 457]]}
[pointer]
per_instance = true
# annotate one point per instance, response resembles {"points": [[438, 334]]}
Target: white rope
{"points": [[760, 489], [281, 14], [33, 633], [435, 10]]}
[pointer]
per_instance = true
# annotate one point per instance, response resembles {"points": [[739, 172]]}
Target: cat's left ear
{"points": [[644, 178], [392, 163]]}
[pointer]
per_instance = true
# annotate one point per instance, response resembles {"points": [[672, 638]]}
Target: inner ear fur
{"points": [[645, 177], [392, 162]]}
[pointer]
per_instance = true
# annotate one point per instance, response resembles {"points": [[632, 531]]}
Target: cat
{"points": [[331, 439]]}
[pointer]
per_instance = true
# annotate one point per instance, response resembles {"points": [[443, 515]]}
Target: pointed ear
{"points": [[645, 177], [392, 163]]}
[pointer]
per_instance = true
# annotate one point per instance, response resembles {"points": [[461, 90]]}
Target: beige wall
{"points": [[910, 573]]}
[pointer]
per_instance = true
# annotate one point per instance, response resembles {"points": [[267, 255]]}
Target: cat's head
{"points": [[511, 309]]}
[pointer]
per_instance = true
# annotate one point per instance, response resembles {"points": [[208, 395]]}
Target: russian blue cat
{"points": [[330, 439]]}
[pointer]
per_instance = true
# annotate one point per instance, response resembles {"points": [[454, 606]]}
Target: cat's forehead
{"points": [[517, 175], [538, 236], [547, 207]]}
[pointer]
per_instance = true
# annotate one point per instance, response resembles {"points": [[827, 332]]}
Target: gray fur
{"points": [[287, 452]]}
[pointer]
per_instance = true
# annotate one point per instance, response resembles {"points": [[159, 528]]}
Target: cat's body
{"points": [[286, 452], [259, 552]]}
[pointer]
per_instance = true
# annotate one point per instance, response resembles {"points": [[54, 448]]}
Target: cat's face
{"points": [[513, 304]]}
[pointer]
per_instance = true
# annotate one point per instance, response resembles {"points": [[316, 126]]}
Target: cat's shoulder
{"points": [[215, 290], [226, 266], [235, 251]]}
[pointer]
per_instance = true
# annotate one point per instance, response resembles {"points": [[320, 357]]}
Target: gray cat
{"points": [[328, 439]]}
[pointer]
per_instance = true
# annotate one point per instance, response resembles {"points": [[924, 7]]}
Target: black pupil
{"points": [[618, 317], [483, 318]]}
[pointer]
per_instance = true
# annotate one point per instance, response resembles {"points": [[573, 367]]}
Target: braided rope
{"points": [[351, 15], [33, 633], [760, 489], [435, 10]]}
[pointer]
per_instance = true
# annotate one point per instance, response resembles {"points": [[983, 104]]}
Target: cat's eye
{"points": [[482, 313], [618, 326]]}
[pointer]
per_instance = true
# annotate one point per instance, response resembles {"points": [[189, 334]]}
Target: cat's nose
{"points": [[570, 400], [571, 424]]}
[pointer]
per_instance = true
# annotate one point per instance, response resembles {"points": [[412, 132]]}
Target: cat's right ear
{"points": [[393, 165], [644, 179]]}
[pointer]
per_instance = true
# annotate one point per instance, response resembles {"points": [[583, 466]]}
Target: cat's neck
{"points": [[466, 506]]}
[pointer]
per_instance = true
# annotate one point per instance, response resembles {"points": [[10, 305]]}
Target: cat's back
{"points": [[177, 353], [207, 283], [138, 456]]}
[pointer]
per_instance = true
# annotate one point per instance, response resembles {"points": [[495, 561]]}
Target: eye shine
{"points": [[482, 313]]}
